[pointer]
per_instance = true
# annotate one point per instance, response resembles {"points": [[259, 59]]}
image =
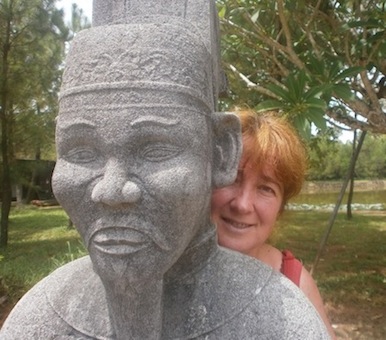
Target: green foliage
{"points": [[329, 158], [32, 46], [302, 106], [372, 159], [32, 36], [309, 60], [78, 20]]}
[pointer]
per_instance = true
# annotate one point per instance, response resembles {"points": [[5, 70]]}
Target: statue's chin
{"points": [[122, 268]]}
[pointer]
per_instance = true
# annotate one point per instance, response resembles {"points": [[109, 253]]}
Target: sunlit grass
{"points": [[353, 266], [39, 242]]}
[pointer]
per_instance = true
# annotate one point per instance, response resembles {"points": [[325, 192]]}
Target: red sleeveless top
{"points": [[291, 267]]}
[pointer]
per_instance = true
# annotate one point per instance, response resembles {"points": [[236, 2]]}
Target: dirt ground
{"points": [[5, 308], [358, 322]]}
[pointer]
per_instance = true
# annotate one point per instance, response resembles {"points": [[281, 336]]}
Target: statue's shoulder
{"points": [[253, 301], [60, 304], [275, 307]]}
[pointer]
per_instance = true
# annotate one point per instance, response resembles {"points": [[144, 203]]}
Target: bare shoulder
{"points": [[269, 255], [308, 286]]}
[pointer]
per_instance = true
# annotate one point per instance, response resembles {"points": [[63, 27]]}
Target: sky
{"points": [[86, 5]]}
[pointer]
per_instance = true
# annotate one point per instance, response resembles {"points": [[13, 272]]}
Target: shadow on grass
{"points": [[352, 272], [25, 222]]}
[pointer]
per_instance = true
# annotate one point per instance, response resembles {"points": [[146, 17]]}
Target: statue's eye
{"points": [[81, 155], [158, 152]]}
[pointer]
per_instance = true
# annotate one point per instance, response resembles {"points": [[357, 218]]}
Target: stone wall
{"points": [[335, 186]]}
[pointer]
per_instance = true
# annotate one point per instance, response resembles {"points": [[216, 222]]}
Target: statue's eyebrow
{"points": [[154, 121], [78, 124]]}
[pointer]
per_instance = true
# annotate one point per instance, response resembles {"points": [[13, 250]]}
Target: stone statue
{"points": [[140, 147]]}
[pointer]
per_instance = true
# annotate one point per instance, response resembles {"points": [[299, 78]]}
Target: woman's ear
{"points": [[227, 148]]}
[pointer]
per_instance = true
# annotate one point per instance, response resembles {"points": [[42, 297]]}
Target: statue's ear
{"points": [[227, 147]]}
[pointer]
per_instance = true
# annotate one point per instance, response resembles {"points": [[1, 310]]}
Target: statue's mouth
{"points": [[119, 241]]}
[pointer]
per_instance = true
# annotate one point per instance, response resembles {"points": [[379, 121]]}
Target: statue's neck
{"points": [[195, 257], [136, 313]]}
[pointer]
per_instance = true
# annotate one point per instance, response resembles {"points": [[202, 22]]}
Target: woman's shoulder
{"points": [[269, 255]]}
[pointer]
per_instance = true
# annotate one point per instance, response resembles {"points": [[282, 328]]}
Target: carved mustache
{"points": [[137, 225]]}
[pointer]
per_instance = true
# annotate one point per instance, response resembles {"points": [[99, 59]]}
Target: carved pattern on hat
{"points": [[107, 12], [119, 56]]}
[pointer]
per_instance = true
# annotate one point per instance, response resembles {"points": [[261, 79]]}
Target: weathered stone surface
{"points": [[140, 148]]}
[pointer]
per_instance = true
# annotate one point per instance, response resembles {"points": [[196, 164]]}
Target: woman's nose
{"points": [[243, 200], [115, 188]]}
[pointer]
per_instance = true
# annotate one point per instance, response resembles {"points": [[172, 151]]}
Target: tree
{"points": [[328, 157], [78, 21], [372, 160], [39, 140], [312, 60], [308, 58], [334, 214], [32, 36]]}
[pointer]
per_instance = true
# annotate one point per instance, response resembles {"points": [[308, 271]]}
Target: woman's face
{"points": [[246, 211]]}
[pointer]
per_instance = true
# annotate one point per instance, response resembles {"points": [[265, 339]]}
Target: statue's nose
{"points": [[116, 187]]}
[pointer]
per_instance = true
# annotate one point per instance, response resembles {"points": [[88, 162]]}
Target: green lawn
{"points": [[39, 242], [354, 264], [351, 274]]}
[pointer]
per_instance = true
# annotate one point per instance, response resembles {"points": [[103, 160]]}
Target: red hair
{"points": [[270, 140]]}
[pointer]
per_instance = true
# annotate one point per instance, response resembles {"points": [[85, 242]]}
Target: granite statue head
{"points": [[139, 143]]}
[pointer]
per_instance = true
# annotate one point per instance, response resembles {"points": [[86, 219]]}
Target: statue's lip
{"points": [[119, 240]]}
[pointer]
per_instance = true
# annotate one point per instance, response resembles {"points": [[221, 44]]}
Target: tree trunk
{"points": [[327, 232], [5, 210], [19, 195], [350, 197], [6, 194], [351, 189], [34, 177]]}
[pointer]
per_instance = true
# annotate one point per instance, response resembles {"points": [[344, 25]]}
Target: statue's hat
{"points": [[145, 52]]}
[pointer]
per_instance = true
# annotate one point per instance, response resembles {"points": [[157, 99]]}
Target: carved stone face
{"points": [[136, 183]]}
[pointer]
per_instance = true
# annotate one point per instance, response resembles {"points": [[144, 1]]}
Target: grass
{"points": [[39, 242], [351, 274], [353, 266]]}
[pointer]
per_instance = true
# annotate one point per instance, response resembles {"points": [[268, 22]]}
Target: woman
{"points": [[271, 171]]}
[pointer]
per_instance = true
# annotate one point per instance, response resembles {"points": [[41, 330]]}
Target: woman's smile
{"points": [[235, 224]]}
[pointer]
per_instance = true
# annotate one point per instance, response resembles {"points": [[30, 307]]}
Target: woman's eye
{"points": [[157, 152], [81, 155], [267, 189]]}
